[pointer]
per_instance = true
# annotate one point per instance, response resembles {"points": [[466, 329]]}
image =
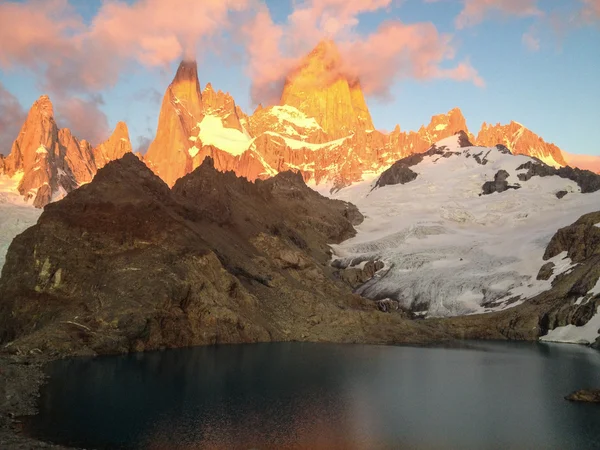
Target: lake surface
{"points": [[322, 396]]}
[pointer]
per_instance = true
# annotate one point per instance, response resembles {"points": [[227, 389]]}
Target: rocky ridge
{"points": [[126, 264], [322, 128], [520, 141]]}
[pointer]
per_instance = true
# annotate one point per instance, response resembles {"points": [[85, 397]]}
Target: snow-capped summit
{"points": [[463, 229]]}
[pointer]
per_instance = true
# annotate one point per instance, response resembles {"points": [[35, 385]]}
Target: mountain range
{"points": [[298, 222], [321, 128]]}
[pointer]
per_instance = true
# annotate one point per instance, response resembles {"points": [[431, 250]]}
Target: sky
{"points": [[533, 61]]}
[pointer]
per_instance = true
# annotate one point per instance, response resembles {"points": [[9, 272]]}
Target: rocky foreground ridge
{"points": [[126, 264]]}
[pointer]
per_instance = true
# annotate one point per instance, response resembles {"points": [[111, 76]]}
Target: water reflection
{"points": [[296, 396]]}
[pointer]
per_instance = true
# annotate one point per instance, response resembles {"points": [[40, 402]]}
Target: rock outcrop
{"points": [[585, 395], [126, 264], [500, 184], [114, 148], [586, 180], [520, 141]]}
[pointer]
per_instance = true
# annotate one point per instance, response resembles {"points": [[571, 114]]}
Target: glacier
{"points": [[447, 249], [16, 215]]}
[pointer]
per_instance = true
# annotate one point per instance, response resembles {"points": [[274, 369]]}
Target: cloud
{"points": [[397, 50], [84, 118], [587, 162], [12, 116], [531, 40], [475, 11], [590, 11], [394, 51], [72, 57], [267, 66]]}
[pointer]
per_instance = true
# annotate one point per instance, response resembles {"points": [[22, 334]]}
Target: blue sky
{"points": [[553, 90]]}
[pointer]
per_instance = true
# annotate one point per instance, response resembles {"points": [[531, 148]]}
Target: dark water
{"points": [[320, 396]]}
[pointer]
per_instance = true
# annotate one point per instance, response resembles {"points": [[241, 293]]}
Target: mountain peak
{"points": [[520, 141], [181, 111], [326, 48], [187, 71], [321, 87], [115, 147], [44, 106], [455, 111]]}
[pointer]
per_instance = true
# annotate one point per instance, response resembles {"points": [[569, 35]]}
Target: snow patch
{"points": [[441, 126], [230, 140], [571, 334], [16, 215], [286, 113], [295, 144]]}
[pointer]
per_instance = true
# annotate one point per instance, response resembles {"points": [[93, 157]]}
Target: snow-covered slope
{"points": [[16, 215], [447, 249]]}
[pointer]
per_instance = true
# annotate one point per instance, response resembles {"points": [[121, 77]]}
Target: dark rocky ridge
{"points": [[126, 264], [588, 181], [400, 172]]}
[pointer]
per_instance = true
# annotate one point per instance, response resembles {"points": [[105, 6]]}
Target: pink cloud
{"points": [[588, 162], [590, 12], [530, 40], [394, 51], [72, 58], [84, 118], [475, 11], [397, 50], [267, 65], [12, 116]]}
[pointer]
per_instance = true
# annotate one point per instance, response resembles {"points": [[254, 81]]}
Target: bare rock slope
{"points": [[127, 264]]}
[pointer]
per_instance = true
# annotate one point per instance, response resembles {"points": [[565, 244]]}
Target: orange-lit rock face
{"points": [[443, 126], [52, 162], [181, 111], [321, 89], [520, 141], [115, 147], [221, 104], [286, 121]]}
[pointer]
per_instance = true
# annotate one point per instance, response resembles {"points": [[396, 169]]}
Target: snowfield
{"points": [[571, 334], [15, 214], [449, 250]]}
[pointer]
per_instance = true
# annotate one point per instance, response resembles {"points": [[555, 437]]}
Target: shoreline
{"points": [[21, 378]]}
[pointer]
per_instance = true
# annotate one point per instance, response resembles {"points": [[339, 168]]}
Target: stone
{"points": [[585, 395]]}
